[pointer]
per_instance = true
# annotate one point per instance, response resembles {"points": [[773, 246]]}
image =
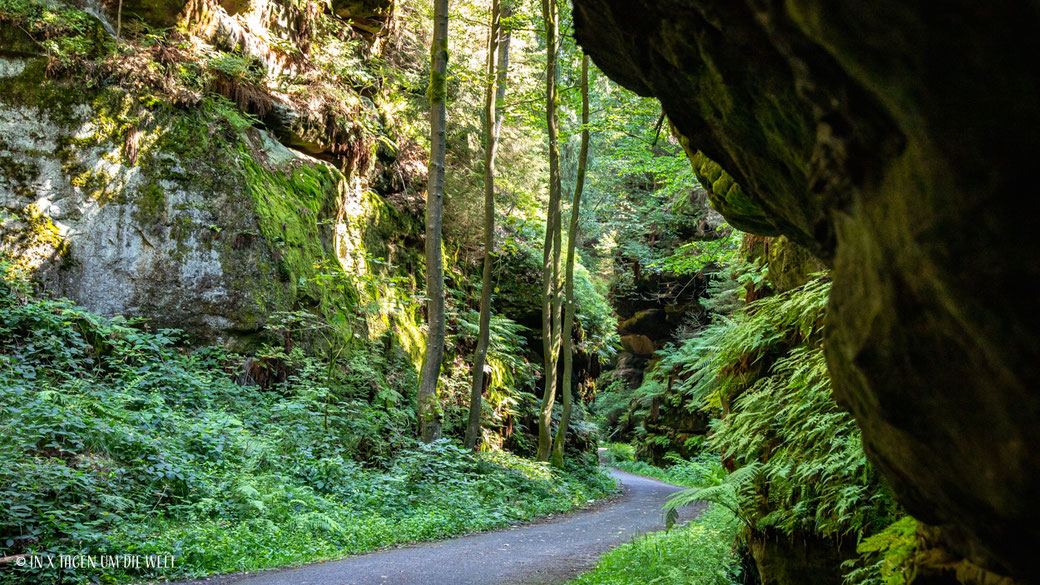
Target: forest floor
{"points": [[539, 553]]}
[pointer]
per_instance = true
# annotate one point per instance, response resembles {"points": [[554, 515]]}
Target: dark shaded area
{"points": [[894, 140], [784, 560]]}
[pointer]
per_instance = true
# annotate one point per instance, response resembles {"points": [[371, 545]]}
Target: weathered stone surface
{"points": [[368, 15], [14, 42], [192, 225], [638, 344], [630, 368], [784, 560], [726, 195], [131, 243], [894, 140], [650, 322], [156, 13]]}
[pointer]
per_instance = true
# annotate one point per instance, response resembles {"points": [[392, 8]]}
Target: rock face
{"points": [[894, 140], [157, 13], [781, 560], [121, 238], [179, 217], [367, 15]]}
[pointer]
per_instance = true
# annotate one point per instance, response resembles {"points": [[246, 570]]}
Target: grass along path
{"points": [[700, 552], [537, 553]]}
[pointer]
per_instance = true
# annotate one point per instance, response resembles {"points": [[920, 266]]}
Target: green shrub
{"points": [[620, 452], [699, 471], [699, 553], [119, 441], [886, 558]]}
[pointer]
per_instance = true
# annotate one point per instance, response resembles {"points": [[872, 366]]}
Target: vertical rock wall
{"points": [[896, 141], [180, 217]]}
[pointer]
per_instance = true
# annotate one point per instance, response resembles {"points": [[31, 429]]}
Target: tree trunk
{"points": [[572, 240], [429, 408], [498, 50], [552, 257]]}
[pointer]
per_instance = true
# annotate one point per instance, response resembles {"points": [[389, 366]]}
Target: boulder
{"points": [[650, 322], [147, 212], [368, 15], [638, 344]]}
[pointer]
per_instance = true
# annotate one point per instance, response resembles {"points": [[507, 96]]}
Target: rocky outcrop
{"points": [[371, 16], [799, 560], [182, 218], [368, 15], [895, 141]]}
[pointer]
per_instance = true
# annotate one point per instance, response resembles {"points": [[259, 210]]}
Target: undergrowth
{"points": [[806, 469], [799, 469], [702, 470], [119, 441], [699, 553]]}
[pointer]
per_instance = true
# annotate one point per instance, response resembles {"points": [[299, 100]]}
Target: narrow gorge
{"points": [[774, 254]]}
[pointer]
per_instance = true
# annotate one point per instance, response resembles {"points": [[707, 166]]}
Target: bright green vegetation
{"points": [[886, 558], [647, 210], [698, 553], [117, 440], [701, 471], [800, 472], [295, 439], [766, 368]]}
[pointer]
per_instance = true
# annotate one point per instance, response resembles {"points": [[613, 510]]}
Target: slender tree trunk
{"points": [[429, 408], [497, 68], [572, 240], [552, 257]]}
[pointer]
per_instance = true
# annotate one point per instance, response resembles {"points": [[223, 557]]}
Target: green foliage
{"points": [[730, 356], [693, 257], [644, 206], [665, 389], [613, 403], [620, 453], [702, 470], [886, 558], [118, 441], [67, 35], [698, 553], [818, 477], [520, 258], [800, 463], [237, 66], [511, 372], [732, 493]]}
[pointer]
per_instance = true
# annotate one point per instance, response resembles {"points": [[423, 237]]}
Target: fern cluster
{"points": [[120, 440], [799, 460], [806, 450]]}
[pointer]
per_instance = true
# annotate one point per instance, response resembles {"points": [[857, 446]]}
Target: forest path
{"points": [[540, 553]]}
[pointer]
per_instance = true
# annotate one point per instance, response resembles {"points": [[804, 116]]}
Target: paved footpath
{"points": [[539, 553]]}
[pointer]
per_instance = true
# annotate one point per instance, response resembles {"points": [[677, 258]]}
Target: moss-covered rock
{"points": [[895, 141], [368, 15], [726, 196], [156, 13], [786, 560], [15, 42], [203, 224]]}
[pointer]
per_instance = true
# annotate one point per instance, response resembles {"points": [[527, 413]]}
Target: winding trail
{"points": [[546, 552]]}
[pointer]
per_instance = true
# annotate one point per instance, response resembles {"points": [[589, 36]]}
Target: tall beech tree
{"points": [[572, 240], [552, 303], [494, 98], [429, 408]]}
